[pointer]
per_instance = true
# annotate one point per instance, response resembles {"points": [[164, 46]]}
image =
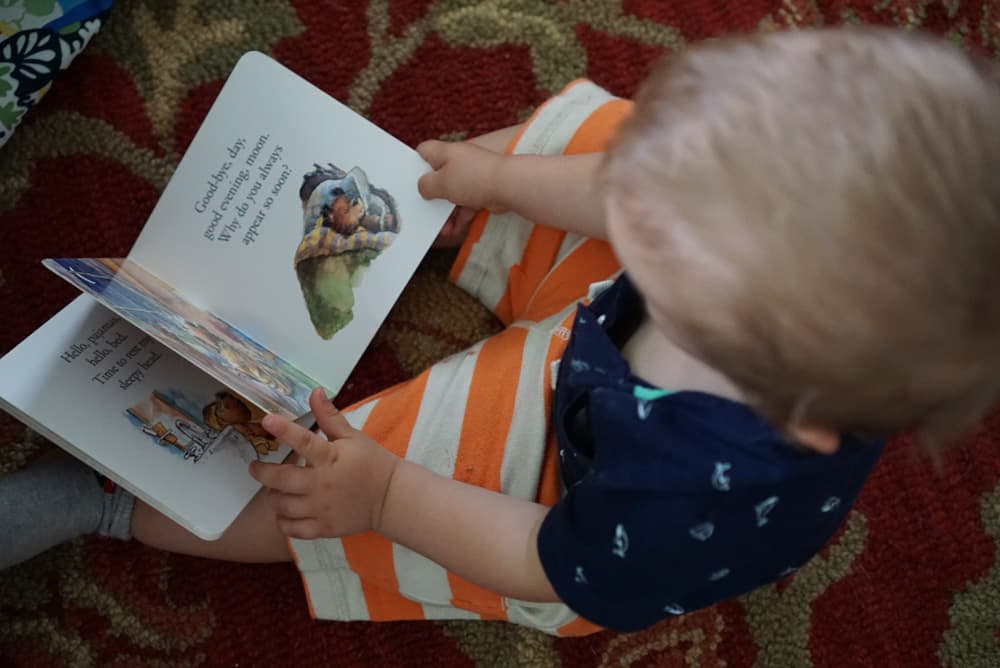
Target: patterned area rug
{"points": [[912, 579]]}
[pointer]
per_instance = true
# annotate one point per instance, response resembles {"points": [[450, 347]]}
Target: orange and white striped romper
{"points": [[481, 416]]}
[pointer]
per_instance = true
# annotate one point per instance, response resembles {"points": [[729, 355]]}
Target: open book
{"points": [[277, 249]]}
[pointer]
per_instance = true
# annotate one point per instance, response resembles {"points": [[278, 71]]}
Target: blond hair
{"points": [[824, 211]]}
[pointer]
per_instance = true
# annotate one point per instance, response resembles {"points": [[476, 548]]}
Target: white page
{"points": [[253, 285], [73, 381]]}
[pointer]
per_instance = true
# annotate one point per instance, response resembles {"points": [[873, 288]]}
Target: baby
{"points": [[803, 232]]}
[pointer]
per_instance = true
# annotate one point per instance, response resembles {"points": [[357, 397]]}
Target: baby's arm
{"points": [[558, 191], [353, 485], [487, 538]]}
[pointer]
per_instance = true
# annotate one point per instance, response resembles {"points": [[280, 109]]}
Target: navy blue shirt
{"points": [[675, 501]]}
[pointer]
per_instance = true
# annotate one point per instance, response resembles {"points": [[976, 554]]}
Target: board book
{"points": [[285, 235]]}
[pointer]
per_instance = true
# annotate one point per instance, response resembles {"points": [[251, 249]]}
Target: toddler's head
{"points": [[816, 215]]}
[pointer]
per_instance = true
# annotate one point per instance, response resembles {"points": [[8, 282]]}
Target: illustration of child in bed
{"points": [[347, 223]]}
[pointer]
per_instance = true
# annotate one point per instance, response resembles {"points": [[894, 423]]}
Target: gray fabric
{"points": [[55, 500], [116, 518]]}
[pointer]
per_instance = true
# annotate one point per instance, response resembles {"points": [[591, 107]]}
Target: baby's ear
{"points": [[819, 439]]}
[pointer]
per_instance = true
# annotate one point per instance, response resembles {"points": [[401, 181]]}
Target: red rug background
{"points": [[913, 579]]}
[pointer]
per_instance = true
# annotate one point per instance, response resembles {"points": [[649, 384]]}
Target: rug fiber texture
{"points": [[913, 577]]}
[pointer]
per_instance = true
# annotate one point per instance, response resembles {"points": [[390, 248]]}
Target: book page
{"points": [[123, 403], [200, 337], [292, 218]]}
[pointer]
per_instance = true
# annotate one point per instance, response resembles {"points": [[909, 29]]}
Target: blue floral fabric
{"points": [[39, 39]]}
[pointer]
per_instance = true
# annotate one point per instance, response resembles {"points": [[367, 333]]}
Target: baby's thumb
{"points": [[431, 185]]}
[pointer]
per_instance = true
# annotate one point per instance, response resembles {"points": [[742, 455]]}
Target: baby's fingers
{"points": [[313, 447], [283, 477], [434, 152], [291, 506], [432, 186], [330, 420]]}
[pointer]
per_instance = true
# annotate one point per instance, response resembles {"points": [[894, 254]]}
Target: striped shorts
{"points": [[480, 416]]}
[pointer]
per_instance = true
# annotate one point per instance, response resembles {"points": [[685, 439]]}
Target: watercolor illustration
{"points": [[348, 222], [231, 411], [175, 422], [218, 348]]}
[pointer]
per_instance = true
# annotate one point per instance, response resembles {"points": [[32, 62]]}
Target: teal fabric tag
{"points": [[649, 393]]}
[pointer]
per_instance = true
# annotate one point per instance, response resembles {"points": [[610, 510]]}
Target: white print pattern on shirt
{"points": [[763, 508], [601, 318], [718, 575], [561, 332], [643, 408], [673, 609], [621, 542], [554, 373], [595, 290], [830, 504], [720, 478], [580, 577], [579, 365], [787, 571], [702, 531]]}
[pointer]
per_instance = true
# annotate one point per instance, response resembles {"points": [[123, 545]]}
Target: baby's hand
{"points": [[341, 489], [463, 173]]}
